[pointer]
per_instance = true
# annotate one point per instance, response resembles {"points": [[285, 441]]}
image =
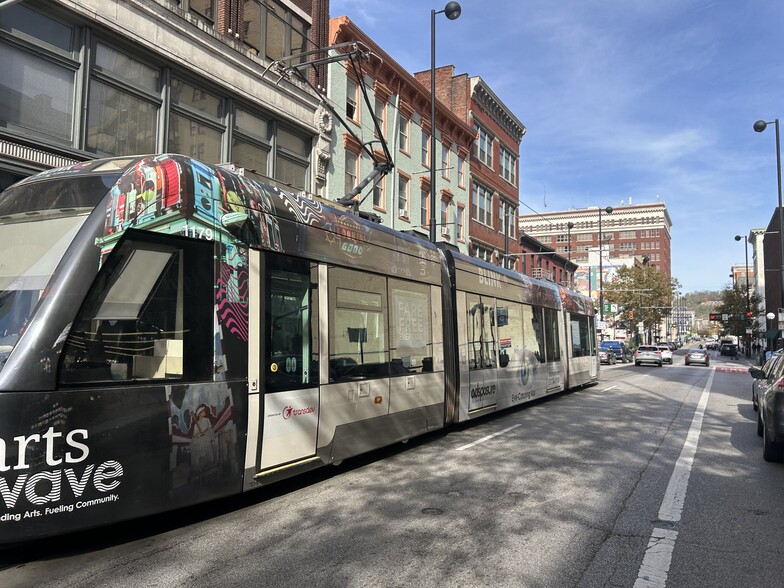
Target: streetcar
{"points": [[172, 332]]}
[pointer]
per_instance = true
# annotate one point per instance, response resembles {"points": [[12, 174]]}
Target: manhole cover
{"points": [[432, 511]]}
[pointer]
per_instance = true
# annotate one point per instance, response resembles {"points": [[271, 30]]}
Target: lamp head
{"points": [[452, 10], [570, 225], [738, 237], [760, 126], [608, 210]]}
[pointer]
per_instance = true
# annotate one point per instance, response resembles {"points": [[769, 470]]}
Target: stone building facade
{"points": [[82, 79]]}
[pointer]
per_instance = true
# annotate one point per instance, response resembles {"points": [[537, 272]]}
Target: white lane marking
{"points": [[483, 439], [658, 555], [610, 388], [672, 505]]}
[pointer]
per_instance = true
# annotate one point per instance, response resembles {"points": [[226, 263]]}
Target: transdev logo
{"points": [[290, 411]]}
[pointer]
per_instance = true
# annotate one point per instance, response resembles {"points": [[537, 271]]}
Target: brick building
{"points": [[630, 233], [494, 164]]}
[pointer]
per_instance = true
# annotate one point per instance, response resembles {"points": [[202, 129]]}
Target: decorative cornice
{"points": [[497, 110]]}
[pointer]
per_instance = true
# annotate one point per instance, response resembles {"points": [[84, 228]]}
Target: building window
{"points": [[204, 9], [195, 124], [585, 237], [483, 146], [444, 218], [403, 140], [292, 159], [507, 163], [250, 148], [402, 196], [459, 222], [351, 171], [445, 161], [273, 30], [425, 149], [627, 235], [483, 253], [379, 111], [424, 207], [506, 213], [120, 122], [460, 172], [481, 205], [378, 194], [352, 91], [37, 85]]}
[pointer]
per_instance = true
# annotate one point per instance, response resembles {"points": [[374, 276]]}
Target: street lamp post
{"points": [[452, 11], [748, 301], [569, 227], [760, 126], [608, 210]]}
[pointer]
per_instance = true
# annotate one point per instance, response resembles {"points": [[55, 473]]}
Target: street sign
{"points": [[607, 307]]}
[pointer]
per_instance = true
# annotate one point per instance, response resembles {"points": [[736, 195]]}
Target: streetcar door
{"points": [[283, 346]]}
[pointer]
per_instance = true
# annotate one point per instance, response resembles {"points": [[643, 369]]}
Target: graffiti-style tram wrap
{"points": [[171, 332]]}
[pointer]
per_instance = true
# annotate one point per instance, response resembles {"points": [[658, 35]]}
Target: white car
{"points": [[648, 354], [666, 352]]}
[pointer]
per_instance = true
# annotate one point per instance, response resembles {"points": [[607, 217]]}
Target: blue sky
{"points": [[623, 99]]}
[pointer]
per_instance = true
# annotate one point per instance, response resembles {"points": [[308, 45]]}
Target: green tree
{"points": [[643, 293], [733, 304]]}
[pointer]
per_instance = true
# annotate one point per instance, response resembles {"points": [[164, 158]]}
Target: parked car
{"points": [[666, 352], [757, 383], [770, 421], [621, 350], [648, 354], [697, 356], [606, 356]]}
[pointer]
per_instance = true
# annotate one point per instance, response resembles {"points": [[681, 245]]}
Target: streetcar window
{"points": [[149, 315], [510, 333], [552, 340], [534, 335], [292, 317], [581, 335], [481, 331], [358, 332], [410, 327]]}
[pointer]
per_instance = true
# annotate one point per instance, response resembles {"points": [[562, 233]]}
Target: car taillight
{"points": [[780, 384]]}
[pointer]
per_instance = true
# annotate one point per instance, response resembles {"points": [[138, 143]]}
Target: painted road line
{"points": [[656, 563], [672, 505], [483, 439], [610, 388], [658, 554]]}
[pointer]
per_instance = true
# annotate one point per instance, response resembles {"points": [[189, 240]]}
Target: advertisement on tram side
{"points": [[78, 459]]}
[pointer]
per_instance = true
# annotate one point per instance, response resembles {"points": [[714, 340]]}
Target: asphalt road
{"points": [[569, 492]]}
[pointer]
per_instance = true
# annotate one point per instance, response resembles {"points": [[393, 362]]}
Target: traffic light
{"points": [[631, 314], [748, 314]]}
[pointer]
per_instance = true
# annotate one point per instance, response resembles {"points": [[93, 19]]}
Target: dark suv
{"points": [[728, 349], [622, 352]]}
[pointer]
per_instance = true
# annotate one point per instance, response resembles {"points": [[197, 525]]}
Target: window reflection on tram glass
{"points": [[149, 309], [481, 331]]}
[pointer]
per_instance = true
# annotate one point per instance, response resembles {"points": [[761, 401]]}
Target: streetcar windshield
{"points": [[38, 220]]}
